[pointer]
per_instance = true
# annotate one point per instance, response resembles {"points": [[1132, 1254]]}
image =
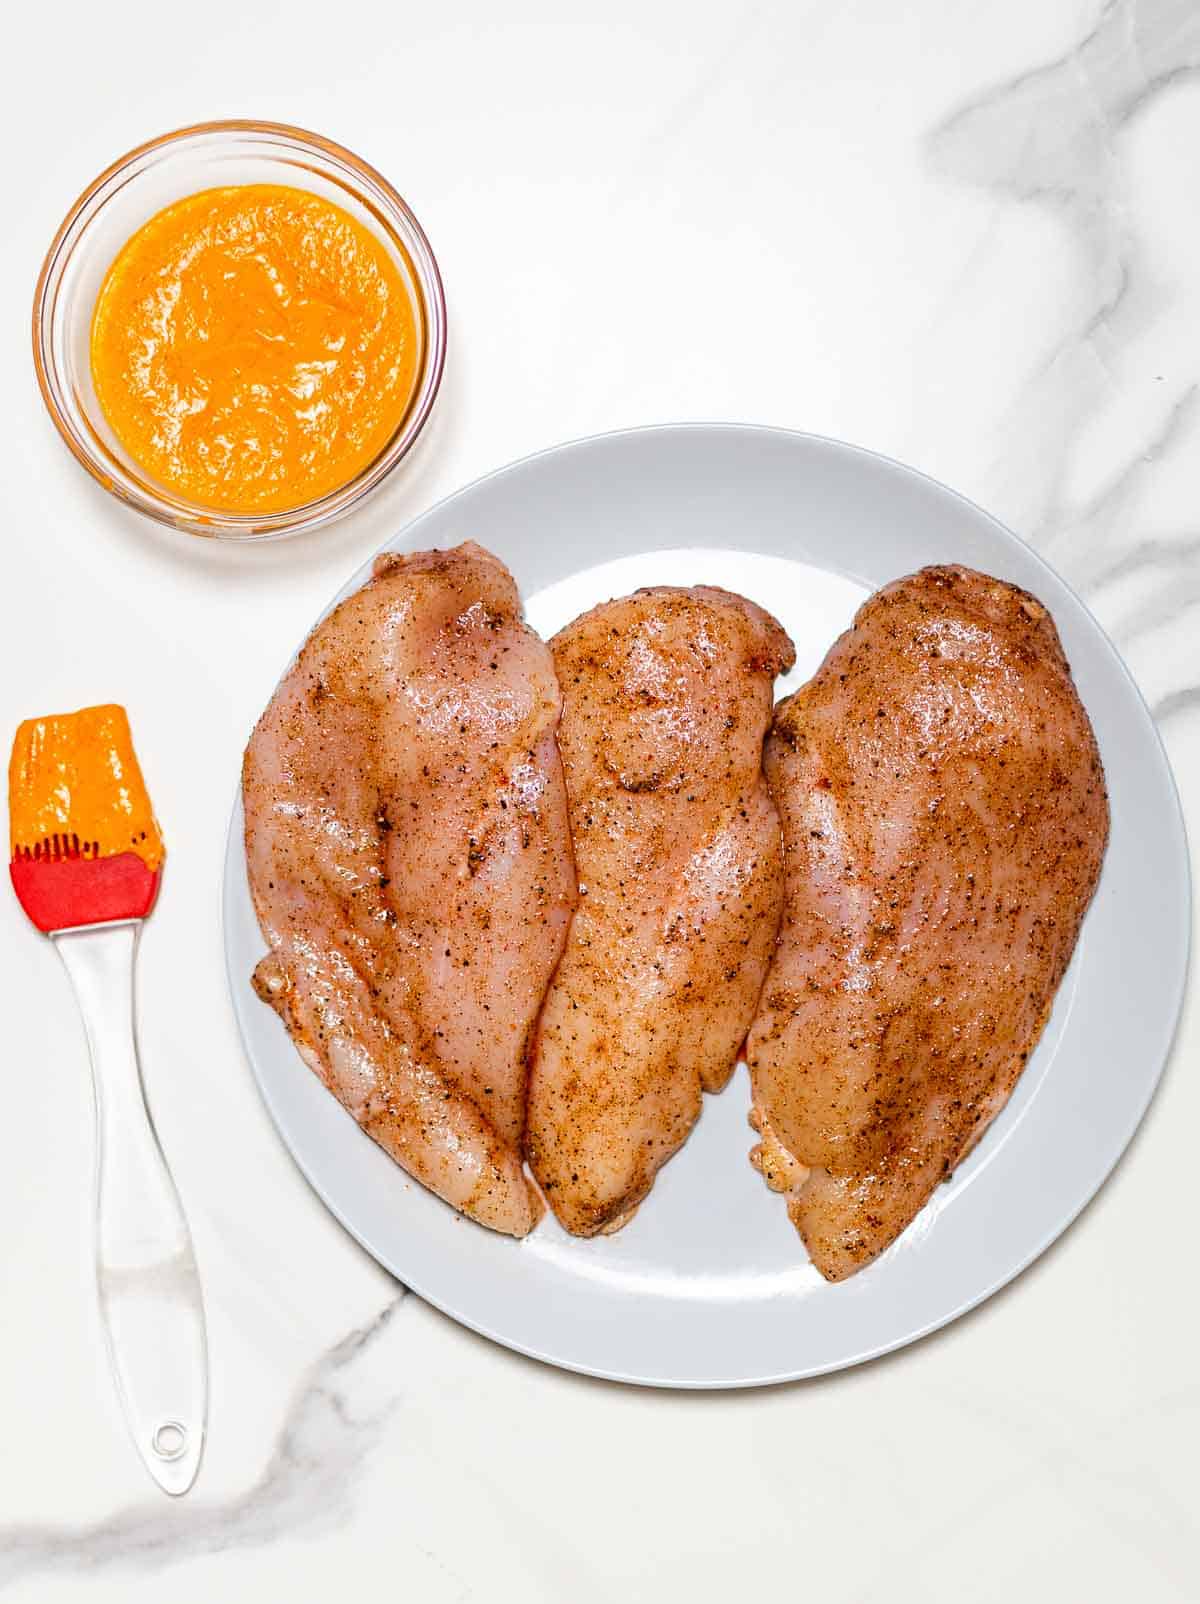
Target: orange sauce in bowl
{"points": [[254, 347]]}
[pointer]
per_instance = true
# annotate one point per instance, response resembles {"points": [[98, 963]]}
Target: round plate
{"points": [[709, 1285]]}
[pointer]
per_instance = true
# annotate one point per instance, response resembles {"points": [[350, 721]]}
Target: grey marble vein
{"points": [[1176, 565], [1095, 540], [1049, 135], [1102, 550], [1052, 138], [1177, 703], [306, 1485]]}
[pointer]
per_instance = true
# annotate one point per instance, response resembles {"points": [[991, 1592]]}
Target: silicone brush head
{"points": [[86, 848]]}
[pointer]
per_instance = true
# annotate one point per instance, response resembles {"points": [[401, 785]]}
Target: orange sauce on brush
{"points": [[74, 779], [254, 347]]}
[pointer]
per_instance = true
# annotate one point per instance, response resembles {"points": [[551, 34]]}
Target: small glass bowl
{"points": [[130, 192]]}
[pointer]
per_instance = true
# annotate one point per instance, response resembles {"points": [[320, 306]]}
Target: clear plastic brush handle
{"points": [[146, 1277]]}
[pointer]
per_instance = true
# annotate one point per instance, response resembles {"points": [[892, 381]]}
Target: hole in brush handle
{"points": [[170, 1440]]}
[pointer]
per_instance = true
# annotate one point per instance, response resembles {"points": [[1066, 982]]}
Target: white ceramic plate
{"points": [[709, 1286]]}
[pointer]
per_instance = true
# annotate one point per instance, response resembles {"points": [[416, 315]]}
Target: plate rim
{"points": [[1165, 1042]]}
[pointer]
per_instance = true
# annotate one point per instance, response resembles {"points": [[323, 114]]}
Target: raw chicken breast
{"points": [[410, 863], [944, 818], [666, 700]]}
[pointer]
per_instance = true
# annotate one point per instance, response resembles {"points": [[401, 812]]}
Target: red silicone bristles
{"points": [[63, 890]]}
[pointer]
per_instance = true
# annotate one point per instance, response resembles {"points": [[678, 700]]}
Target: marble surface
{"points": [[963, 235]]}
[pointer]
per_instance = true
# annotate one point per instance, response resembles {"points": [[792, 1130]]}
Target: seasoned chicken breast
{"points": [[666, 700], [944, 818], [410, 863]]}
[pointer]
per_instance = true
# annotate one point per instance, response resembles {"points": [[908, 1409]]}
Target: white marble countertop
{"points": [[964, 235]]}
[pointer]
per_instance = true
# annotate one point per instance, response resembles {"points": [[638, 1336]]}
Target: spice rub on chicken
{"points": [[945, 819], [410, 864], [666, 699]]}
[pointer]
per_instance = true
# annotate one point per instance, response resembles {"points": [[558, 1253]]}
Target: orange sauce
{"points": [[254, 347], [76, 775]]}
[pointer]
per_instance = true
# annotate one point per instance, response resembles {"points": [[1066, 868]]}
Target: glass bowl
{"points": [[130, 192]]}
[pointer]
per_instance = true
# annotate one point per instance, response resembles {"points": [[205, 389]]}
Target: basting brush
{"points": [[86, 862]]}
